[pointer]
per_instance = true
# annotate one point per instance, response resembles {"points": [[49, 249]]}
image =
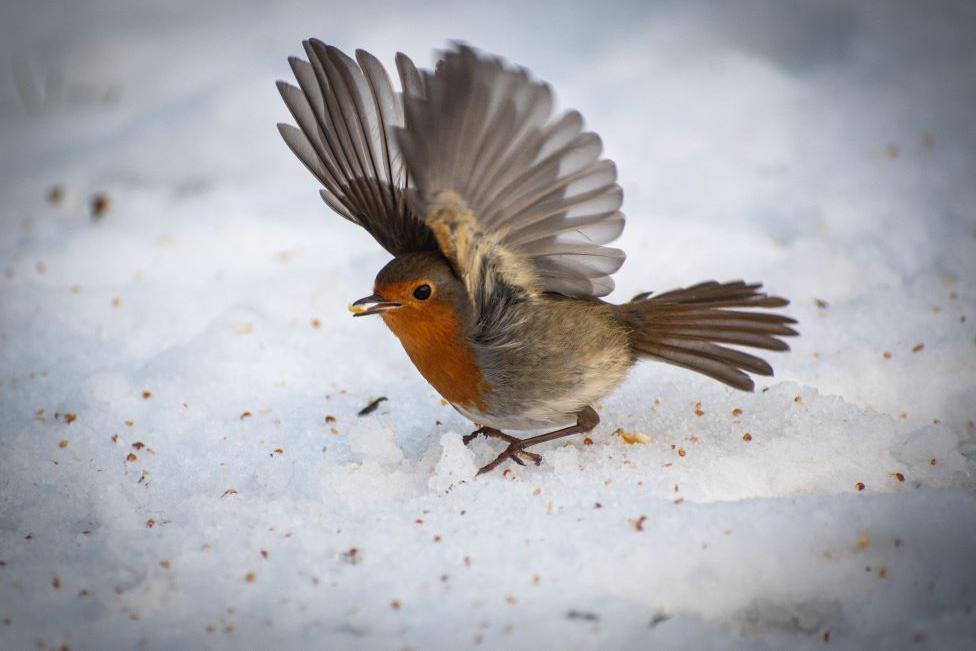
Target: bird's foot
{"points": [[515, 450]]}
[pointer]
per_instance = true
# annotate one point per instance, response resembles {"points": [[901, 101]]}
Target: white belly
{"points": [[545, 418]]}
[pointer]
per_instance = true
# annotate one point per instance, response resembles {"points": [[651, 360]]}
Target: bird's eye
{"points": [[422, 293]]}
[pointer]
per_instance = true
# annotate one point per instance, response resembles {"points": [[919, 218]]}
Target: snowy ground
{"points": [[170, 476]]}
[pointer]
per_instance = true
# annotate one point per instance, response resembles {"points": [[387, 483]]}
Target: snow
{"points": [[199, 326]]}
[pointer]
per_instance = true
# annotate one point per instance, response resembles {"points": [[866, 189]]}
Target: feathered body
{"points": [[542, 382], [498, 215]]}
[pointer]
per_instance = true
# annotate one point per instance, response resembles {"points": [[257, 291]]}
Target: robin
{"points": [[497, 214]]}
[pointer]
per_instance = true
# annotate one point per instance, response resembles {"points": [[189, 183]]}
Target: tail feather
{"points": [[738, 338], [733, 294], [684, 327]]}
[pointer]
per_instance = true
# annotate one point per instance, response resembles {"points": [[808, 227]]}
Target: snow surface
{"points": [[199, 325]]}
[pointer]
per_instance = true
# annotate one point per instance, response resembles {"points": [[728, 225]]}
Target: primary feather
{"points": [[345, 110]]}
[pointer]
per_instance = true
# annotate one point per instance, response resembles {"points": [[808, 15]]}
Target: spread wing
{"points": [[345, 110], [519, 201]]}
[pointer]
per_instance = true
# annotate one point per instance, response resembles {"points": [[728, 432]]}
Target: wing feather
{"points": [[491, 164], [345, 109]]}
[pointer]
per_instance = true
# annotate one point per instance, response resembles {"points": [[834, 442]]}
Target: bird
{"points": [[498, 211]]}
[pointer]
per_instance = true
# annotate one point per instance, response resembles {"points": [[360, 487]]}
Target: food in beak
{"points": [[373, 304]]}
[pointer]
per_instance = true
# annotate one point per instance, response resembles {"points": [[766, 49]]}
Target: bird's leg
{"points": [[586, 419], [491, 432]]}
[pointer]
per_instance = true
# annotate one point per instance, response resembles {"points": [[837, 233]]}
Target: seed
{"points": [[99, 206]]}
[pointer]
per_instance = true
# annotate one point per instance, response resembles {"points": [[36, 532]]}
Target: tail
{"points": [[684, 327]]}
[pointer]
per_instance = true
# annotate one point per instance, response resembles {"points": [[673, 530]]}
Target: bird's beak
{"points": [[372, 304]]}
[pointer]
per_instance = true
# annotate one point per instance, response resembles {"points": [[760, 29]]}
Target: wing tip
{"points": [[284, 87], [286, 129], [364, 57]]}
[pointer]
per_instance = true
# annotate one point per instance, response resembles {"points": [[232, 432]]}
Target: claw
{"points": [[513, 452], [531, 456]]}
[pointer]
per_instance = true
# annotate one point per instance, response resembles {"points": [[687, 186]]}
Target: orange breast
{"points": [[435, 342]]}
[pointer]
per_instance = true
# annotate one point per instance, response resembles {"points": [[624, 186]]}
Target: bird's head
{"points": [[415, 290]]}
